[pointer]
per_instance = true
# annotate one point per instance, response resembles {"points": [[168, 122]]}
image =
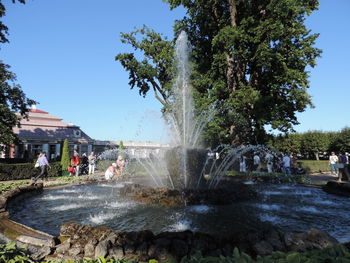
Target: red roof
{"points": [[39, 111]]}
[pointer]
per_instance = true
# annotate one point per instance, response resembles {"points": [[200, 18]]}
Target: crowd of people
{"points": [[84, 165], [271, 162]]}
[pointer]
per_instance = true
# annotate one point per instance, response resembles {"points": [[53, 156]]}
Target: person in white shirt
{"points": [[286, 164], [333, 162], [256, 162], [269, 161], [242, 164]]}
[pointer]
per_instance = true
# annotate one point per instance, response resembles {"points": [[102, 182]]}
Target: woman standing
{"points": [[92, 163]]}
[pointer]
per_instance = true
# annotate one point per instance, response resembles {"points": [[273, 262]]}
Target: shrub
{"points": [[21, 171], [65, 156]]}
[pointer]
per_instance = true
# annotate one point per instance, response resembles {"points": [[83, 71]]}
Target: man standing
{"points": [[256, 162], [269, 161], [286, 164], [333, 160]]}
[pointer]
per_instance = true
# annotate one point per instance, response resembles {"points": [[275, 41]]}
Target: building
{"points": [[44, 132]]}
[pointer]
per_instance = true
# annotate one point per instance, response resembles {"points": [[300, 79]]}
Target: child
{"points": [[110, 171], [120, 165], [71, 170]]}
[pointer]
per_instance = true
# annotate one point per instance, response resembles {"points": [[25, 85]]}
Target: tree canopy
{"points": [[249, 56], [12, 98]]}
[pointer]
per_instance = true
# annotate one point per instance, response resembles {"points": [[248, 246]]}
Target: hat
{"points": [[114, 164]]}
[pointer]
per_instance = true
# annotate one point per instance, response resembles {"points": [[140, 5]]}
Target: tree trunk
{"points": [[230, 79]]}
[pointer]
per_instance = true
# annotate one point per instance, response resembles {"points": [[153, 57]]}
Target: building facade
{"points": [[44, 132]]}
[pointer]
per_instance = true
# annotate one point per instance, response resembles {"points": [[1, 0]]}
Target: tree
{"points": [[65, 160], [154, 71], [341, 142], [250, 57], [12, 98], [315, 142], [121, 145], [288, 143]]}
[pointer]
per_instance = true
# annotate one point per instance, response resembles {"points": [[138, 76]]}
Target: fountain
{"points": [[189, 188]]}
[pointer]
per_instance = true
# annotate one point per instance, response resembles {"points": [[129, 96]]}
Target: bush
{"points": [[21, 171], [313, 166]]}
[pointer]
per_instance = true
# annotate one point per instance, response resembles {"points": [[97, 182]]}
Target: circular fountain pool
{"points": [[288, 207]]}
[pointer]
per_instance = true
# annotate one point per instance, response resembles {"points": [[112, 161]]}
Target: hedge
{"points": [[21, 171], [313, 166]]}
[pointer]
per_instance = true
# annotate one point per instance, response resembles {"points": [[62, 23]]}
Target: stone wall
{"points": [[86, 241]]}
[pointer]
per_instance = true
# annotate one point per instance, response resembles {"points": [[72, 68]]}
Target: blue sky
{"points": [[63, 54]]}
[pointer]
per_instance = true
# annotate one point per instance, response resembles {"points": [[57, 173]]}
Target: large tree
{"points": [[12, 98], [250, 57]]}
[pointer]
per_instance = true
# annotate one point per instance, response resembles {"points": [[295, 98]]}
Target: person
{"points": [[333, 162], [84, 164], [76, 162], [120, 165], [44, 166], [344, 160], [92, 163], [286, 164], [71, 169], [110, 171], [269, 161], [256, 162], [243, 164], [294, 164]]}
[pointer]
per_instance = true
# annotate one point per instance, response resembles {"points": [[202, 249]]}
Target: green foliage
{"points": [[311, 144], [12, 98], [314, 166], [10, 253], [314, 142], [4, 187], [331, 254], [26, 171], [121, 145], [341, 142], [251, 57], [65, 160], [288, 143], [154, 71]]}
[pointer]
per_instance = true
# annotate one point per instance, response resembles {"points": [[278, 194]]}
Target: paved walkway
{"points": [[321, 179]]}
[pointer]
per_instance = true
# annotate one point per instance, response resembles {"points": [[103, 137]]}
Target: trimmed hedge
{"points": [[313, 166], [21, 171]]}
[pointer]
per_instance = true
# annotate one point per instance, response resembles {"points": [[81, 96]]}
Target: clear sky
{"points": [[63, 54]]}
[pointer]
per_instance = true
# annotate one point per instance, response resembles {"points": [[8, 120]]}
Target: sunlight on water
{"points": [[200, 209], [88, 197], [308, 209], [269, 207], [181, 226], [269, 218], [55, 197], [272, 193], [67, 207], [101, 218]]}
